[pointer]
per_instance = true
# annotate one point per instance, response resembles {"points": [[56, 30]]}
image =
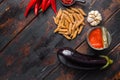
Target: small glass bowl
{"points": [[105, 36]]}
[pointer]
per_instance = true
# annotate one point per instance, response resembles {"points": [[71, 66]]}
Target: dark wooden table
{"points": [[28, 46]]}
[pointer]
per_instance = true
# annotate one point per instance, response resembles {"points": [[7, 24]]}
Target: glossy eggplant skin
{"points": [[74, 59]]}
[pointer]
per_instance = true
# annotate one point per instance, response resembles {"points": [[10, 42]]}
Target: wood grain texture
{"points": [[12, 20], [1, 1], [28, 46]]}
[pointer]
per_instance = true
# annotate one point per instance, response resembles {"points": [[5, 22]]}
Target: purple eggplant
{"points": [[74, 59]]}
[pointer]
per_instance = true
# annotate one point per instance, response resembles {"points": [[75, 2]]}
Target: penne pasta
{"points": [[69, 22], [82, 12], [70, 28], [70, 11], [75, 10], [63, 30], [78, 23], [80, 29], [67, 18], [55, 20], [74, 35], [56, 30], [66, 36], [75, 17], [71, 18], [59, 14]]}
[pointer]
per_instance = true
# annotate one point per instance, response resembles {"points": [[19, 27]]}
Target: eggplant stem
{"points": [[109, 61]]}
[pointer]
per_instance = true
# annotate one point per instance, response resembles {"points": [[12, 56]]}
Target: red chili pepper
{"points": [[36, 9], [43, 4], [29, 6], [53, 4], [40, 6], [48, 4]]}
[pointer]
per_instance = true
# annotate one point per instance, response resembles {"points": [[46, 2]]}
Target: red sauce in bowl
{"points": [[67, 1], [95, 38]]}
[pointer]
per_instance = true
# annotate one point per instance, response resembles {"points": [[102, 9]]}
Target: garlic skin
{"points": [[90, 19], [94, 17]]}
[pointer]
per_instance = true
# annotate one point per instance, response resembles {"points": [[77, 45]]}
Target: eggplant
{"points": [[74, 59]]}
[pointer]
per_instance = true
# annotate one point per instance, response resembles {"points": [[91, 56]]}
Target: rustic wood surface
{"points": [[28, 46]]}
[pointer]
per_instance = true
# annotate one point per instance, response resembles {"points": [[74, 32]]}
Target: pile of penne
{"points": [[70, 22]]}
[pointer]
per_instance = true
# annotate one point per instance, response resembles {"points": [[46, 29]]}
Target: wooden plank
{"points": [[24, 56], [12, 20], [65, 73], [1, 1], [85, 48]]}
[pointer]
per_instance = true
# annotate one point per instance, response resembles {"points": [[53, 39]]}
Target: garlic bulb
{"points": [[94, 17]]}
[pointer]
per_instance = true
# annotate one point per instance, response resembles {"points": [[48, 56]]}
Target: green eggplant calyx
{"points": [[109, 61]]}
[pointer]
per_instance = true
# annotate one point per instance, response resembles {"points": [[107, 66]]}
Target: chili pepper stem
{"points": [[110, 61], [40, 10]]}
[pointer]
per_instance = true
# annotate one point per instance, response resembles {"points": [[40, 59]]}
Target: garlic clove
{"points": [[91, 16], [98, 17], [89, 19], [94, 23], [91, 13], [96, 13], [98, 21]]}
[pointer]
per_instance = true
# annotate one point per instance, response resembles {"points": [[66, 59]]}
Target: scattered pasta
{"points": [[70, 22]]}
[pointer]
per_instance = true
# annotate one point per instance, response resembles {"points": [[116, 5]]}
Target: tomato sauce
{"points": [[95, 38], [67, 1]]}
